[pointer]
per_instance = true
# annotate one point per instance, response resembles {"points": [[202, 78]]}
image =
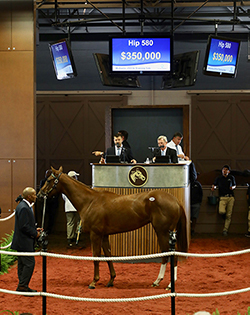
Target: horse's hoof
{"points": [[91, 287], [168, 288], [155, 285], [109, 285]]}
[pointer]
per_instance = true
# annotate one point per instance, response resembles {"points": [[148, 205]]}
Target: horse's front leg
{"points": [[96, 242], [107, 253]]}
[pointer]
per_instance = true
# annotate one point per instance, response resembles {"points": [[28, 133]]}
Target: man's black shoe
{"points": [[25, 289], [31, 290]]}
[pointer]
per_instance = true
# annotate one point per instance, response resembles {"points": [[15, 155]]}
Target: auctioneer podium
{"points": [[126, 179]]}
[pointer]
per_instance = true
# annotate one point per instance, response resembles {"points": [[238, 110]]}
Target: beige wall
{"points": [[17, 119]]}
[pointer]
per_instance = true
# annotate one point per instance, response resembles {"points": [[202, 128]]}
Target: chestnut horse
{"points": [[104, 213]]}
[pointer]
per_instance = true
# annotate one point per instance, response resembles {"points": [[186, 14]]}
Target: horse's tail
{"points": [[182, 242]]}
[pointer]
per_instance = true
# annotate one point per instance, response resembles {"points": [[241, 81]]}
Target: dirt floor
{"points": [[195, 275]]}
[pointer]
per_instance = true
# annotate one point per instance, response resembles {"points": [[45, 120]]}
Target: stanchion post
{"points": [[44, 249], [44, 284], [172, 241]]}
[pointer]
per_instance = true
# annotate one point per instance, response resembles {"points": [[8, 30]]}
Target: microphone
{"points": [[153, 148], [161, 146], [118, 145]]}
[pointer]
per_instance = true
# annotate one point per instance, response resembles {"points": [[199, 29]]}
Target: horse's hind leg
{"points": [[175, 272], [107, 253], [160, 275], [96, 241]]}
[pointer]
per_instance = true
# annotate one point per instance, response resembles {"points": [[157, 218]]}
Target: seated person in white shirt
{"points": [[124, 153], [175, 144], [164, 150]]}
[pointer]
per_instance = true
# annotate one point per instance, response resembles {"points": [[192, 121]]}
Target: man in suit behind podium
{"points": [[118, 149], [164, 150]]}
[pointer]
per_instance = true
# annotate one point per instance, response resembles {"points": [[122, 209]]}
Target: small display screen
{"points": [[221, 57], [141, 55], [62, 60]]}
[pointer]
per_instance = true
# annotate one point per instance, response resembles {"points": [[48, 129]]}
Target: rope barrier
{"points": [[90, 258], [6, 246], [118, 300], [5, 219], [9, 217]]}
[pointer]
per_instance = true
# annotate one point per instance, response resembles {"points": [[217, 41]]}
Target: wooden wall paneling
{"points": [[22, 25], [5, 186], [59, 129], [241, 125], [220, 131], [17, 112], [23, 176], [17, 67], [15, 176], [69, 129], [5, 25]]}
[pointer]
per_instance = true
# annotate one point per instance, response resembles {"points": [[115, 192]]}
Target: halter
{"points": [[56, 181]]}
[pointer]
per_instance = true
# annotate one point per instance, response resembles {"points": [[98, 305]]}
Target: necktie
{"points": [[177, 149]]}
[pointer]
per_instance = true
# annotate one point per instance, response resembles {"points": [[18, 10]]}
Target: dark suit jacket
{"points": [[171, 152], [126, 154], [25, 229]]}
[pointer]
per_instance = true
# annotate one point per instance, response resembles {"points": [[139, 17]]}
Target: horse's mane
{"points": [[90, 188], [78, 182]]}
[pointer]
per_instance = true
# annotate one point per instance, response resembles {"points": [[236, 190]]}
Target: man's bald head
{"points": [[28, 191]]}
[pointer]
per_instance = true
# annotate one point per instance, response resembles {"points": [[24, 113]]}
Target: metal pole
{"points": [[44, 284], [44, 242], [44, 249], [172, 241]]}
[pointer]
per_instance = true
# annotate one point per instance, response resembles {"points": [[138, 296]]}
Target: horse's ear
{"points": [[61, 169], [53, 170]]}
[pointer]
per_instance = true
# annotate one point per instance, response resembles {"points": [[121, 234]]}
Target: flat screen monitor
{"points": [[163, 159], [221, 57], [149, 55], [62, 60], [185, 68], [112, 159], [123, 80]]}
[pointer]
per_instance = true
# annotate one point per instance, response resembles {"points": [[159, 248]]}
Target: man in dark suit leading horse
{"points": [[25, 233]]}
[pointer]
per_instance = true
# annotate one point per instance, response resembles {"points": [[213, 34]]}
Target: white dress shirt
{"points": [[68, 205], [118, 151], [178, 148]]}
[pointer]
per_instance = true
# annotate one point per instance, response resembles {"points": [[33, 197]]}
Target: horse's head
{"points": [[50, 187]]}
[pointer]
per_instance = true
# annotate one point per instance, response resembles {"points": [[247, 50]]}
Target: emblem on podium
{"points": [[138, 176]]}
